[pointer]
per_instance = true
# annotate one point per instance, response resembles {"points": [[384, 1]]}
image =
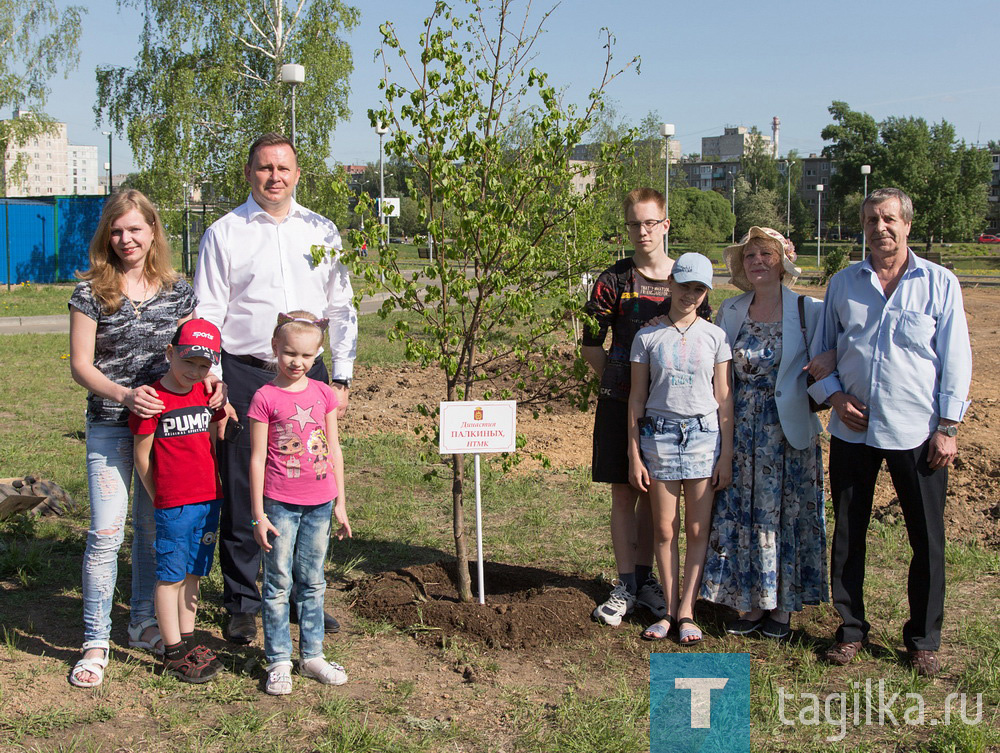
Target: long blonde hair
{"points": [[106, 270]]}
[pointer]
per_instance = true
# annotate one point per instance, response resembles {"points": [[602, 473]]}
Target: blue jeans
{"points": [[295, 561], [109, 472]]}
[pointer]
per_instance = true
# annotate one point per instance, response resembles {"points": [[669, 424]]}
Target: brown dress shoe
{"points": [[842, 654], [925, 662]]}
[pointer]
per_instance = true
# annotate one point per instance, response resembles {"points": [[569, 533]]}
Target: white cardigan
{"points": [[798, 423]]}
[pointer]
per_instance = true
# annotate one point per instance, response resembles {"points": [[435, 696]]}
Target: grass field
{"points": [[589, 695]]}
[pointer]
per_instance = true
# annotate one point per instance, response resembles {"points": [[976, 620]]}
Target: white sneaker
{"points": [[651, 596], [619, 604]]}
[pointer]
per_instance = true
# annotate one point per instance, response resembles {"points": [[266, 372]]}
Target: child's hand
{"points": [[340, 513], [260, 532], [638, 476], [722, 476]]}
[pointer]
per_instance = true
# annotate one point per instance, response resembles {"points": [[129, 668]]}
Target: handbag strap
{"points": [[802, 324]]}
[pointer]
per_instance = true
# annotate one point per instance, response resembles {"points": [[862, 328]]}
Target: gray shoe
{"points": [[651, 596]]}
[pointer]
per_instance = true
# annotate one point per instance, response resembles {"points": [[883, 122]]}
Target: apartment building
{"points": [[53, 166]]}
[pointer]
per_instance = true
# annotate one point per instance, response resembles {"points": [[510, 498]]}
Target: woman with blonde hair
{"points": [[123, 314], [767, 548]]}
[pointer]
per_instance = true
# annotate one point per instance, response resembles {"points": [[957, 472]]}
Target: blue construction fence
{"points": [[46, 239]]}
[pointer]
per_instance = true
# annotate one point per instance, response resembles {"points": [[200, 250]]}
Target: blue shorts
{"points": [[674, 450], [185, 540]]}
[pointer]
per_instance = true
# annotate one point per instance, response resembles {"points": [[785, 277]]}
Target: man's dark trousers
{"points": [[239, 553], [921, 491]]}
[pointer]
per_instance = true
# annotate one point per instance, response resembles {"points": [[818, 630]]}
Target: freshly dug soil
{"points": [[525, 606]]}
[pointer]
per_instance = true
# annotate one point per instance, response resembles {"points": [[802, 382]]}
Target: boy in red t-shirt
{"points": [[175, 458]]}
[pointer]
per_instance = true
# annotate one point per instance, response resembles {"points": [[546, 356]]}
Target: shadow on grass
{"points": [[372, 556]]}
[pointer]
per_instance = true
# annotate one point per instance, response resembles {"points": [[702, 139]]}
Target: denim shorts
{"points": [[185, 540], [677, 449]]}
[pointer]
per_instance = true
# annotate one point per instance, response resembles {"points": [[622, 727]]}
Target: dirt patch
{"points": [[385, 400], [526, 607]]}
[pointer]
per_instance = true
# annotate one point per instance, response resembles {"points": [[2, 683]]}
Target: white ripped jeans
{"points": [[110, 469]]}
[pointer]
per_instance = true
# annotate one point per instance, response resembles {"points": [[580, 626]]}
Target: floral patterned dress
{"points": [[767, 547]]}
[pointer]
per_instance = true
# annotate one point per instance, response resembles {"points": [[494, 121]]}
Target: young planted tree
{"points": [[490, 141]]}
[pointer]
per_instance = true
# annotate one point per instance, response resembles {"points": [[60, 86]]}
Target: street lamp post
{"points": [[819, 221], [108, 134], [865, 171], [788, 200], [381, 129], [107, 170], [293, 74], [187, 232], [666, 130], [732, 192]]}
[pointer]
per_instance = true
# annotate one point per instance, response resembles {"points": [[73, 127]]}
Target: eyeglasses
{"points": [[648, 224]]}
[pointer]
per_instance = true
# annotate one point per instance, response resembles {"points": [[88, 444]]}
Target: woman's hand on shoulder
{"points": [[143, 401]]}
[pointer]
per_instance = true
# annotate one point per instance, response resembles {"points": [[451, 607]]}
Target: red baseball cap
{"points": [[198, 338]]}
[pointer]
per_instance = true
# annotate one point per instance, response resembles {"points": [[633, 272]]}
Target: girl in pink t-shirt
{"points": [[296, 473]]}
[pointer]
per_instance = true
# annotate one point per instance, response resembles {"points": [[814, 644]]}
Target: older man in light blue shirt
{"points": [[901, 387]]}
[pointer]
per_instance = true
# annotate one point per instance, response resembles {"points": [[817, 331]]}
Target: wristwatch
{"points": [[948, 431], [342, 382]]}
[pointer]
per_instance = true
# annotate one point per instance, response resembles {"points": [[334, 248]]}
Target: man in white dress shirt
{"points": [[253, 264]]}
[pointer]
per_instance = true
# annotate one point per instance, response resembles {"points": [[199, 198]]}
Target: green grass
{"points": [[595, 698], [27, 299]]}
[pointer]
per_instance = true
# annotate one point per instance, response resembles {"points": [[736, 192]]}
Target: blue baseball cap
{"points": [[692, 267]]}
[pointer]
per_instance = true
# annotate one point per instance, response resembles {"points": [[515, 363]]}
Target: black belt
{"points": [[250, 361]]}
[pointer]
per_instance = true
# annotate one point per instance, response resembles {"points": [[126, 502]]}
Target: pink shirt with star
{"points": [[298, 470]]}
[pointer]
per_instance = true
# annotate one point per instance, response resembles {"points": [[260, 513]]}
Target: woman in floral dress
{"points": [[767, 549]]}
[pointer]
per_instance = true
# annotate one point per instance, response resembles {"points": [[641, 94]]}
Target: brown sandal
{"points": [[842, 654]]}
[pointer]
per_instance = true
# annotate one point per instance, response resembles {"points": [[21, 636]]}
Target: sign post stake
{"points": [[479, 536], [471, 427]]}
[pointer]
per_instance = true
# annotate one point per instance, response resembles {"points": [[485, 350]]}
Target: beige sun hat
{"points": [[733, 256]]}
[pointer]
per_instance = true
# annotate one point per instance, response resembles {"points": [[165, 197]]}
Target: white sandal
{"points": [[135, 636], [327, 672], [95, 666], [279, 678]]}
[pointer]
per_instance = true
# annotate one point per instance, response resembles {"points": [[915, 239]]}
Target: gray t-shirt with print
{"points": [[681, 367], [130, 350]]}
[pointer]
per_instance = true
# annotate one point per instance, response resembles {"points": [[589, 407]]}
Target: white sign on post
{"points": [[390, 208], [472, 426]]}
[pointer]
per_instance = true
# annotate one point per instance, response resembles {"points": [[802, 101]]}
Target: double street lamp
{"points": [[666, 130]]}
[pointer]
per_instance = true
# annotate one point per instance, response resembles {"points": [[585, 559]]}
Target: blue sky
{"points": [[705, 65]]}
